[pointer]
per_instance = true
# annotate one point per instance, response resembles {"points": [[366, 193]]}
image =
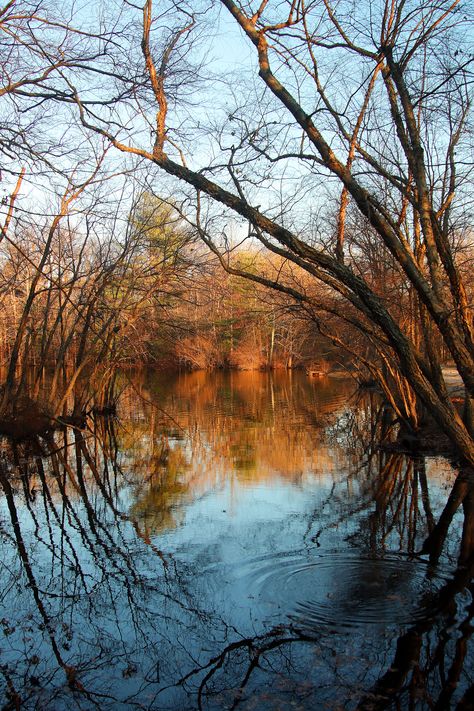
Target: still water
{"points": [[234, 540]]}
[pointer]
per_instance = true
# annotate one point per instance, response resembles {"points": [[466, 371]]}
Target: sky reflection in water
{"points": [[234, 541]]}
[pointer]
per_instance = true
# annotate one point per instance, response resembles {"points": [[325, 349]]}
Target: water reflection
{"points": [[342, 590], [238, 540]]}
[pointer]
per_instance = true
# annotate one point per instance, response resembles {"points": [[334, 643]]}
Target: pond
{"points": [[234, 540]]}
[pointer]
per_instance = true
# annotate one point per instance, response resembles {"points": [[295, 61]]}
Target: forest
{"points": [[153, 212]]}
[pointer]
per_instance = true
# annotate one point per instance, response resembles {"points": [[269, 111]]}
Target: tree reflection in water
{"points": [[235, 555]]}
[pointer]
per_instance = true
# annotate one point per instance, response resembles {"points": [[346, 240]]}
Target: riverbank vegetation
{"points": [[320, 215]]}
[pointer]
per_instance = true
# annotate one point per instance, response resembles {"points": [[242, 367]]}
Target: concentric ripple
{"points": [[344, 590]]}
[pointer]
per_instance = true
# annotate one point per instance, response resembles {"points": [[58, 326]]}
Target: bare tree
{"points": [[366, 110], [372, 106]]}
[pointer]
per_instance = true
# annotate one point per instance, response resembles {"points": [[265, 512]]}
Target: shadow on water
{"points": [[253, 548]]}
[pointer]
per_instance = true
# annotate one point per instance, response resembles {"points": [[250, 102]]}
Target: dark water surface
{"points": [[234, 541]]}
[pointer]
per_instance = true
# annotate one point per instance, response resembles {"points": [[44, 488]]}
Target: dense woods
{"points": [[153, 212], [72, 298]]}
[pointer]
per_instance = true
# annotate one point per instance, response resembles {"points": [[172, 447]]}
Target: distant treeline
{"points": [[78, 303]]}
